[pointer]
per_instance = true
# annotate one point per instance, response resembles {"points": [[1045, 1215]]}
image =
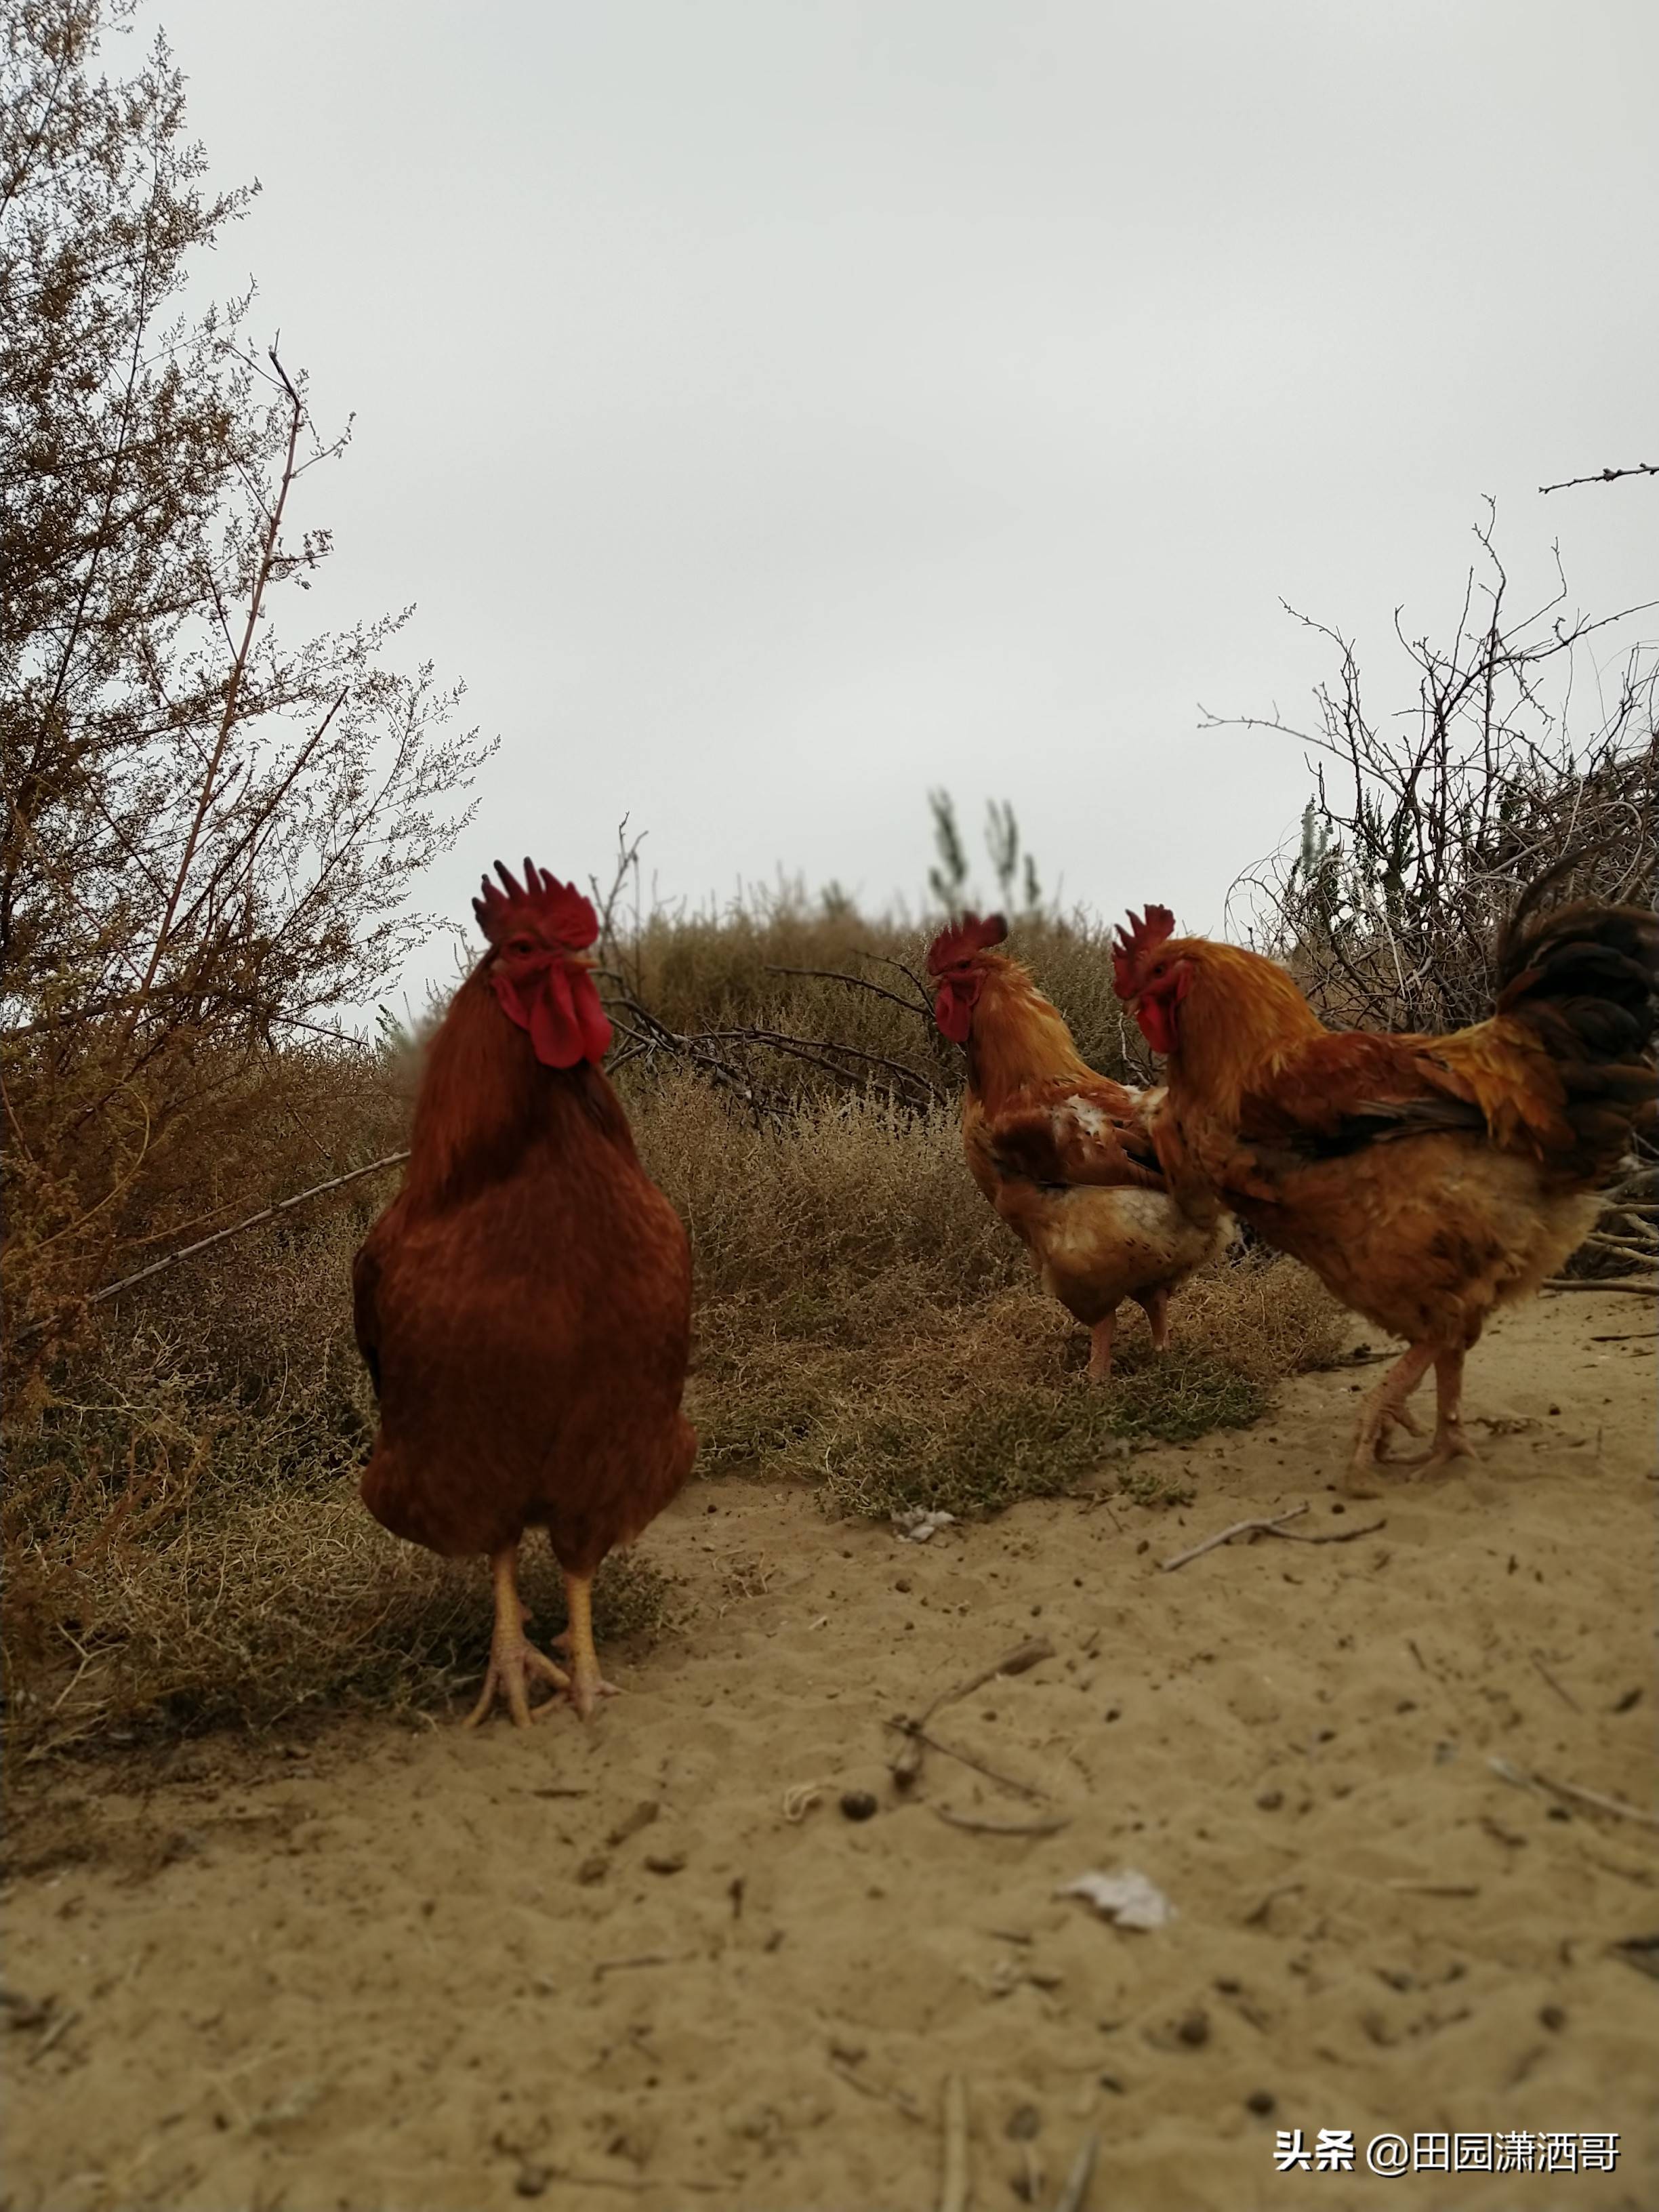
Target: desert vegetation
{"points": [[183, 1539], [210, 841]]}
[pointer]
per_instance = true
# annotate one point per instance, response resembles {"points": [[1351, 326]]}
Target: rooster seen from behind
{"points": [[1029, 1095], [524, 1305], [1426, 1180]]}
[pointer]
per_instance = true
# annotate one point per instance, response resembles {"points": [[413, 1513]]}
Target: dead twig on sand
{"points": [[1572, 1791], [915, 1732], [54, 2035], [1072, 2197], [1019, 1661], [1559, 1688], [1646, 1288], [1436, 1888], [976, 1827], [907, 1765], [1226, 1535], [900, 2099], [1616, 1805], [639, 2182], [1327, 1535], [953, 2188], [604, 1966]]}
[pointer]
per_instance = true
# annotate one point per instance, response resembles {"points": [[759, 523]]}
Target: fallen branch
{"points": [[1326, 1535], [975, 1827], [1640, 1249], [1564, 1694], [901, 2098], [1019, 1661], [915, 1730], [906, 1767], [55, 2034], [1521, 1779], [1226, 1535], [1645, 1288], [1071, 2197], [638, 2182], [1614, 1805], [953, 2188], [1437, 1888], [604, 1966]]}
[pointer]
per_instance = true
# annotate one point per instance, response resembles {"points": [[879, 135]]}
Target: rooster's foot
{"points": [[1449, 1443], [512, 1669], [587, 1685], [1371, 1451], [514, 1661]]}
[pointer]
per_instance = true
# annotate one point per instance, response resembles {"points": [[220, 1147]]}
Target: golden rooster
{"points": [[1426, 1180], [1030, 1099]]}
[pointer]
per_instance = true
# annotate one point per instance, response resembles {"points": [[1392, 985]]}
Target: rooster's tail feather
{"points": [[1585, 981]]}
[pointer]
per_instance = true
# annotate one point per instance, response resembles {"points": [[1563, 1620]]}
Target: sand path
{"points": [[427, 1971]]}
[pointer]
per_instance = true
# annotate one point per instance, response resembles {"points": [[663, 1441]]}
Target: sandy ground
{"points": [[415, 1969]]}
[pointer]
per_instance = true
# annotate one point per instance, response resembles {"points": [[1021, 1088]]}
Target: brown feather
{"points": [[1425, 1179], [524, 1305], [1064, 1156]]}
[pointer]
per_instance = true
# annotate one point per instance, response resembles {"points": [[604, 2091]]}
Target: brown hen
{"points": [[1032, 1105]]}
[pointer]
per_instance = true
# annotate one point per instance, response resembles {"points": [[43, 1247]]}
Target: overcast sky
{"points": [[779, 409]]}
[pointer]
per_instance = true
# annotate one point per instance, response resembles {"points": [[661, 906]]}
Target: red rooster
{"points": [[1032, 1104], [524, 1305], [1426, 1180]]}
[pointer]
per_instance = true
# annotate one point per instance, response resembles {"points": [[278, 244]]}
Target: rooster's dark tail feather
{"points": [[1585, 980]]}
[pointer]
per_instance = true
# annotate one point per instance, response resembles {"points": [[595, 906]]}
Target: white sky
{"points": [[777, 407]]}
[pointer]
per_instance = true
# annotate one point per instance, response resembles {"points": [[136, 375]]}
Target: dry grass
{"points": [[258, 1610], [868, 1324], [184, 1543]]}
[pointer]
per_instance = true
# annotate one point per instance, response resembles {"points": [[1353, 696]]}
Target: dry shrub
{"points": [[184, 1543], [722, 985], [252, 1610], [868, 1324]]}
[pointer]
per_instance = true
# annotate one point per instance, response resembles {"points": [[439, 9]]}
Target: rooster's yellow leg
{"points": [[1449, 1440], [1100, 1348], [513, 1660], [1386, 1406], [587, 1685]]}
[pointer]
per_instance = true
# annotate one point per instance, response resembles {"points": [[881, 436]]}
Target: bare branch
{"points": [[1605, 475]]}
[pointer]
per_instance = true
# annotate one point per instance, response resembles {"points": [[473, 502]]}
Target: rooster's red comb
{"points": [[962, 939], [1136, 942], [556, 911]]}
